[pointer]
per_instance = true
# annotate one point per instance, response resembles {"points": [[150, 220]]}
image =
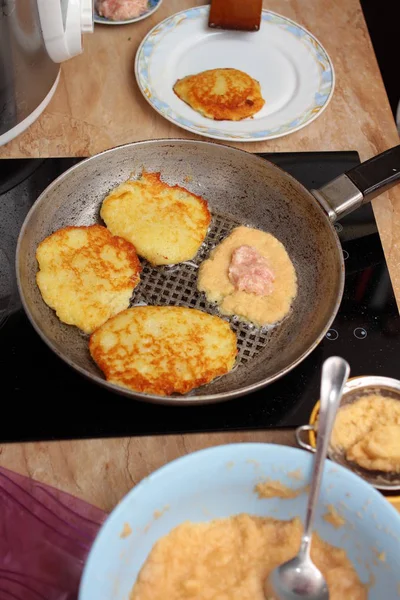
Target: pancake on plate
{"points": [[221, 94], [250, 275], [166, 223], [163, 349], [86, 275]]}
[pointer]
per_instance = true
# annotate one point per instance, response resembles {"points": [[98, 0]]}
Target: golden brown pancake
{"points": [[221, 94], [166, 223], [163, 349], [86, 275]]}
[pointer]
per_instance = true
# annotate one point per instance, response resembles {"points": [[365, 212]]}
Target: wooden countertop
{"points": [[98, 105]]}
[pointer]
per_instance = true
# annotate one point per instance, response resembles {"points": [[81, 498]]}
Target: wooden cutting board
{"points": [[235, 14]]}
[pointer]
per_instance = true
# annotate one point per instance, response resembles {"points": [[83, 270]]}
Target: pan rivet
{"points": [[338, 227], [332, 335], [360, 333], [345, 255]]}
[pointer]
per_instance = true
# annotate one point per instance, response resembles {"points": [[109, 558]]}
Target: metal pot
{"points": [[35, 36], [355, 388], [240, 188]]}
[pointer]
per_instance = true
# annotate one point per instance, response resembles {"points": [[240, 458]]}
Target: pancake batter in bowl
{"points": [[367, 431], [250, 275], [229, 559]]}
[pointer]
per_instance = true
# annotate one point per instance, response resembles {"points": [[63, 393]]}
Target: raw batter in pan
{"points": [[250, 275]]}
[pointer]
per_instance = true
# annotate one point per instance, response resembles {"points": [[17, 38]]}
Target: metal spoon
{"points": [[299, 578]]}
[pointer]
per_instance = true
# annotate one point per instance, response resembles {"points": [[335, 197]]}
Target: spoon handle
{"points": [[335, 372]]}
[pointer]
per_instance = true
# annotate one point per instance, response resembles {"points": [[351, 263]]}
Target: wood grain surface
{"points": [[98, 105]]}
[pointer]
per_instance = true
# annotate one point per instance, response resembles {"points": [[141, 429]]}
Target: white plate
{"points": [[294, 70], [153, 5]]}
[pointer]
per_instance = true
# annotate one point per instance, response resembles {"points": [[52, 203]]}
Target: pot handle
{"points": [[62, 24], [298, 433], [360, 185]]}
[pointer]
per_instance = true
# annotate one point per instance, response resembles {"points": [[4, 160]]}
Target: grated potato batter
{"points": [[368, 432], [229, 559], [214, 280]]}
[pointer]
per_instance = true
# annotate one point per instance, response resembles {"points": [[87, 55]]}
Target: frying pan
{"points": [[241, 188]]}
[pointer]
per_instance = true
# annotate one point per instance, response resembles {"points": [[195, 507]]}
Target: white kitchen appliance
{"points": [[35, 37]]}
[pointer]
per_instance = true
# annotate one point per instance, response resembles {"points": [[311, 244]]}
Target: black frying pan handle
{"points": [[378, 174], [360, 185]]}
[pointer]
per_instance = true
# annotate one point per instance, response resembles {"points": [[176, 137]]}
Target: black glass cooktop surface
{"points": [[44, 399]]}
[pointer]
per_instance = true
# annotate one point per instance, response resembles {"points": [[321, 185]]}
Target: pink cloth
{"points": [[45, 537]]}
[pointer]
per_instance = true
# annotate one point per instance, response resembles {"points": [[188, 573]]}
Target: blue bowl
{"points": [[219, 482]]}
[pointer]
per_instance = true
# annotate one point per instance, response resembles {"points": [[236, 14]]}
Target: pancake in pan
{"points": [[163, 349], [86, 275], [166, 223]]}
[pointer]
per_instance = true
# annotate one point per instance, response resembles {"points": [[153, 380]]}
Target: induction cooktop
{"points": [[46, 399]]}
